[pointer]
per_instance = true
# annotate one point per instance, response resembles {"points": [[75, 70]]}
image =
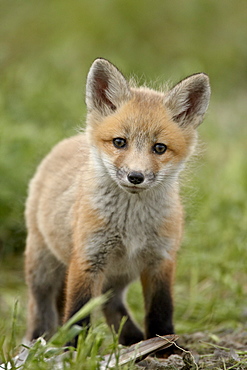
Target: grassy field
{"points": [[46, 49]]}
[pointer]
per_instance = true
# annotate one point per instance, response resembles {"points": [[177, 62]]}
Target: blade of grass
{"points": [[68, 331]]}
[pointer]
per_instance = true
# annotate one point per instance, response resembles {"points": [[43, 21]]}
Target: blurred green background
{"points": [[46, 49]]}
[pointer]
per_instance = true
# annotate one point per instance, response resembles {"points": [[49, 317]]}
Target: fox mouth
{"points": [[134, 189]]}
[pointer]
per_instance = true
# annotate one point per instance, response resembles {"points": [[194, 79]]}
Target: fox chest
{"points": [[131, 236], [136, 226]]}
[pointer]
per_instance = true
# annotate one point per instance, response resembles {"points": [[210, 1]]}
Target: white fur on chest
{"points": [[135, 218]]}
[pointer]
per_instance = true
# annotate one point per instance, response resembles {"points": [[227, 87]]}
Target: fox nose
{"points": [[135, 177]]}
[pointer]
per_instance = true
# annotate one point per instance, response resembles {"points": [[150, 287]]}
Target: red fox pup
{"points": [[104, 209]]}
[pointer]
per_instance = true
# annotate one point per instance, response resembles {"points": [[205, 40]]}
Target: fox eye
{"points": [[159, 148], [119, 142]]}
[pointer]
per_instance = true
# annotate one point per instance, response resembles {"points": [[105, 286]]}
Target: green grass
{"points": [[49, 354], [46, 49]]}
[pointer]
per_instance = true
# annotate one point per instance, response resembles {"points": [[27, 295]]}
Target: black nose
{"points": [[135, 177]]}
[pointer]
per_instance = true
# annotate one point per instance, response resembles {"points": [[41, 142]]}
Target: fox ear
{"points": [[189, 99], [106, 88]]}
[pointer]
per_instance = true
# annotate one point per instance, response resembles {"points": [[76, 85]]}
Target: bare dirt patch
{"points": [[225, 350]]}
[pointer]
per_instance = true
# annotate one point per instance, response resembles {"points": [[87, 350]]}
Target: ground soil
{"points": [[225, 350]]}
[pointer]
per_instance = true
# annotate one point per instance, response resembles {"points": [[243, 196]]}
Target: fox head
{"points": [[138, 137]]}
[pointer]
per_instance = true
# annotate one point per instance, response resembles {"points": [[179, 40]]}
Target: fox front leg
{"points": [[157, 288], [83, 283]]}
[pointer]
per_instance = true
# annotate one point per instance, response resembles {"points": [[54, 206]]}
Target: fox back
{"points": [[104, 205]]}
